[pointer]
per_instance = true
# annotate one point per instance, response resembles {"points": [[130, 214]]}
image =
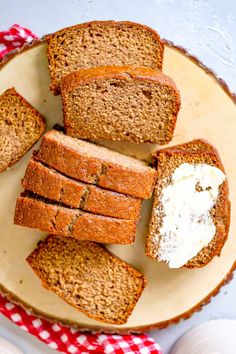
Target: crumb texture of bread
{"points": [[167, 160], [21, 126], [97, 165], [39, 213], [52, 185], [102, 43], [121, 104], [88, 277]]}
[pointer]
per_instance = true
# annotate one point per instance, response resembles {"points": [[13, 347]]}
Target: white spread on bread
{"points": [[187, 201]]}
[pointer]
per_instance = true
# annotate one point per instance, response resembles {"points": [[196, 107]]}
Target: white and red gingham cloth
{"points": [[71, 341], [57, 336], [14, 38]]}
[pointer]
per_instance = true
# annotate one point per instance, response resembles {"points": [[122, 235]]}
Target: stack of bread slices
{"points": [[79, 189], [112, 88]]}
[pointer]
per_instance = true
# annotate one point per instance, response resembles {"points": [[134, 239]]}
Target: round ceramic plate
{"points": [[208, 111]]}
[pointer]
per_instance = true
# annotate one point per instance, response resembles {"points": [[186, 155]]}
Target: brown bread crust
{"points": [[50, 184], [39, 262], [40, 120], [125, 74], [89, 169], [56, 219], [199, 151], [55, 86]]}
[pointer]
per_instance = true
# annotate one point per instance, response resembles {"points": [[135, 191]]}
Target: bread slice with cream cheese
{"points": [[191, 209]]}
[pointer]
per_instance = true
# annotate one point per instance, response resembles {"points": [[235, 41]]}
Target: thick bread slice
{"points": [[203, 146], [38, 213], [167, 160], [101, 43], [88, 277], [50, 184], [21, 126], [95, 164], [120, 103]]}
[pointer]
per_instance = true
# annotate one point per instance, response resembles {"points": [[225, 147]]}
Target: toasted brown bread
{"points": [[51, 184], [88, 277], [35, 212], [101, 43], [122, 103], [167, 160], [21, 126], [97, 165]]}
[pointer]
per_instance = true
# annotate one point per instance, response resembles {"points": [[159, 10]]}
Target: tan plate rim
{"points": [[159, 325]]}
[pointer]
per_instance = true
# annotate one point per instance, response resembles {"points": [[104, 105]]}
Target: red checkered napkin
{"points": [[64, 339], [14, 38], [71, 340]]}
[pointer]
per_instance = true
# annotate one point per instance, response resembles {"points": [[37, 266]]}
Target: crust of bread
{"points": [[198, 149], [118, 178], [126, 73], [54, 86], [41, 119], [100, 250], [56, 219]]}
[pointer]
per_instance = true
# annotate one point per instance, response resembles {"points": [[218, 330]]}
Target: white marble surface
{"points": [[207, 28]]}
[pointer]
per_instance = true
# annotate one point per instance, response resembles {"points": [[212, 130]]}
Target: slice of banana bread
{"points": [[88, 277], [38, 213], [51, 184], [190, 155], [21, 126], [120, 103], [97, 165], [100, 43]]}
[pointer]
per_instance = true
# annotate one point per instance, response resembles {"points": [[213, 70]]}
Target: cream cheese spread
{"points": [[187, 225]]}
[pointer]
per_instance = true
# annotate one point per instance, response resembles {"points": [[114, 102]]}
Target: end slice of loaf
{"points": [[123, 103], [167, 160], [97, 165], [38, 213], [21, 126], [88, 277], [50, 184], [101, 43]]}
